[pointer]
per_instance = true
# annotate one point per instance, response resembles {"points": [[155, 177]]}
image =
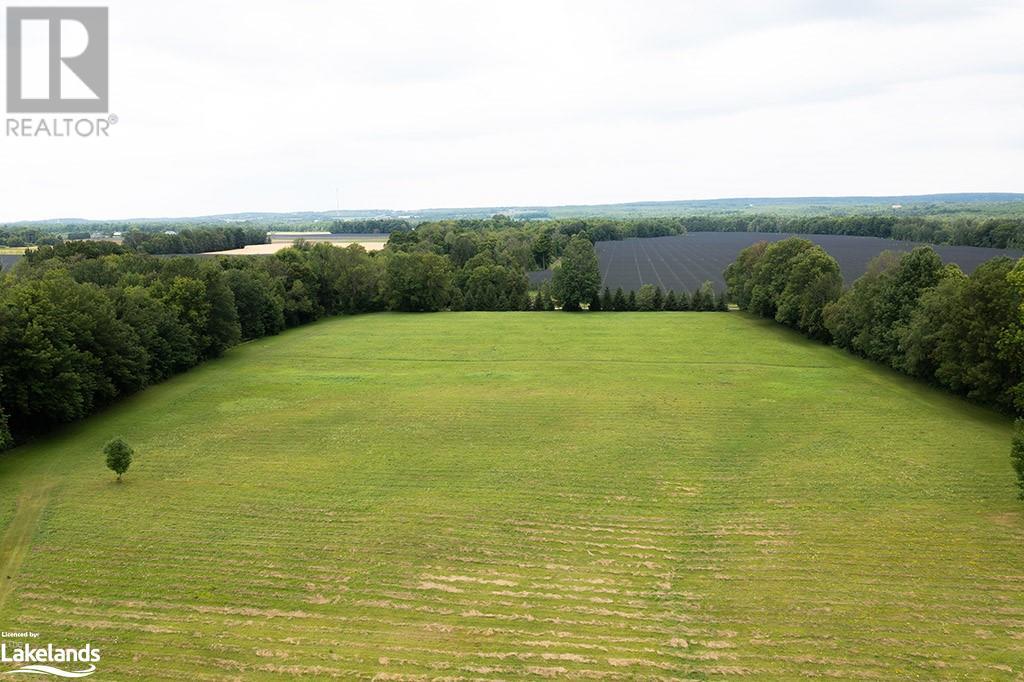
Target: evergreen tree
{"points": [[658, 300], [631, 301], [606, 300], [697, 300], [671, 302], [538, 303], [541, 250], [619, 301]]}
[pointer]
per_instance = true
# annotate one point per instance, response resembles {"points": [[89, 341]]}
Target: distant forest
{"points": [[543, 237]]}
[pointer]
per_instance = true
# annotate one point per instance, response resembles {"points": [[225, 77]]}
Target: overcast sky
{"points": [[302, 105]]}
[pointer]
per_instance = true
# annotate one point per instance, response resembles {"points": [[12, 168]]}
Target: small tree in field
{"points": [[119, 456], [1017, 454]]}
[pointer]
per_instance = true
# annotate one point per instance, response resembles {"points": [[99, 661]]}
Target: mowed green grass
{"points": [[496, 495]]}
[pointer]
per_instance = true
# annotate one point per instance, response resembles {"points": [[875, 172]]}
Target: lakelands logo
{"points": [[48, 660], [58, 63]]}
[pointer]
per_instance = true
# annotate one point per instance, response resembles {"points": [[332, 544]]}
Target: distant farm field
{"points": [[500, 495], [284, 240], [684, 262]]}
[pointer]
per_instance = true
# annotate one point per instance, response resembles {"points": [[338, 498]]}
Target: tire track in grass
{"points": [[17, 538]]}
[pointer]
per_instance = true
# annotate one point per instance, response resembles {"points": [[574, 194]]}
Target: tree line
{"points": [[648, 298], [187, 240], [27, 236], [199, 240], [544, 237], [371, 226], [531, 245], [908, 311], [83, 323], [537, 244], [995, 232], [540, 241]]}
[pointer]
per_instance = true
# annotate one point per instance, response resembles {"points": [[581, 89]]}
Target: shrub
{"points": [[119, 456]]}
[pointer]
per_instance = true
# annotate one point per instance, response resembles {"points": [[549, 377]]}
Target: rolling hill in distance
{"points": [[976, 203]]}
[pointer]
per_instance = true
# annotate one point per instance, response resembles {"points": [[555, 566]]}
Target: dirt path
{"points": [[17, 538]]}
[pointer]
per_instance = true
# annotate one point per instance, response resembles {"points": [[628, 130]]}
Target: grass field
{"points": [[495, 495]]}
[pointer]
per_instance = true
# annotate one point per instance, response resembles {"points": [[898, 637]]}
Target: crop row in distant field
{"points": [[683, 262]]}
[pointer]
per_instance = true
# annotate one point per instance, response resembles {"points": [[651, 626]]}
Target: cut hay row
{"points": [[562, 505]]}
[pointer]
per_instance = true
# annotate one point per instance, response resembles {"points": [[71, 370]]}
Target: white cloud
{"points": [[271, 106]]}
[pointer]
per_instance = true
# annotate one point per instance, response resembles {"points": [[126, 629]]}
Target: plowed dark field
{"points": [[683, 262]]}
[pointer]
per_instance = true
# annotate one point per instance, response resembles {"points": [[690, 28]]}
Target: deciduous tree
{"points": [[418, 282], [647, 298], [119, 456], [576, 278]]}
